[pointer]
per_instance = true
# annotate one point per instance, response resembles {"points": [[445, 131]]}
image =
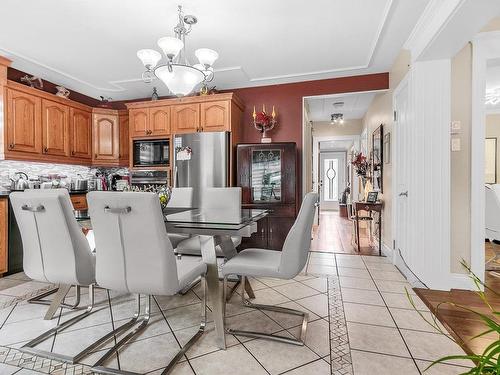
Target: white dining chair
{"points": [[180, 198], [134, 255], [55, 251], [227, 200], [285, 264]]}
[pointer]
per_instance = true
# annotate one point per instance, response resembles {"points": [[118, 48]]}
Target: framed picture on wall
{"points": [[490, 160], [377, 158]]}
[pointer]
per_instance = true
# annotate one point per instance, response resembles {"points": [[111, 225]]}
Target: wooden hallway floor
{"points": [[334, 235]]}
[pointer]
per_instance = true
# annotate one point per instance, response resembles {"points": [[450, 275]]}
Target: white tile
{"points": [[382, 267], [376, 339], [369, 297], [234, 360], [322, 261], [440, 369], [317, 336], [73, 342], [354, 272], [387, 275], [278, 357], [296, 290], [182, 368], [7, 369], [317, 304], [354, 261], [394, 286], [431, 346], [357, 283], [318, 367], [410, 319], [269, 281], [255, 321], [365, 363], [290, 320], [401, 301], [23, 289], [375, 259], [269, 297], [368, 314], [186, 316], [317, 269], [318, 283], [14, 334]]}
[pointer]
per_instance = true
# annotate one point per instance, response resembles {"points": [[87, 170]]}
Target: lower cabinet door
{"points": [[4, 230], [259, 238], [278, 230]]}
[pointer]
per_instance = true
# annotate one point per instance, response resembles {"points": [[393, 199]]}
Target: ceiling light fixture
{"points": [[177, 74], [337, 118]]}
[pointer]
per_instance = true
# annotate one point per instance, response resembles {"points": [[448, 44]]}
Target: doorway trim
{"points": [[485, 46]]}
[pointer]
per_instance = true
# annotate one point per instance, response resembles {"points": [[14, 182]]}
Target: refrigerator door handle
{"points": [[175, 177]]}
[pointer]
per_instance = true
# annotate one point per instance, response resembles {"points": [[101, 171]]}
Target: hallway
{"points": [[334, 235]]}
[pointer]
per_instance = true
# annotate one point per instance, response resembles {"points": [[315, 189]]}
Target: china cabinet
{"points": [[267, 175]]}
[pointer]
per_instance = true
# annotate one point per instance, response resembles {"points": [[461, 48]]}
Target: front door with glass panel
{"points": [[332, 179]]}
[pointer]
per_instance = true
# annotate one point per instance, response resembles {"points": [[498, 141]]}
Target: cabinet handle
{"points": [[95, 156], [73, 153], [119, 156], [11, 146], [45, 150]]}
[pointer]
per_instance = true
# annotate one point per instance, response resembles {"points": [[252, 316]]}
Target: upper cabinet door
{"points": [[215, 116], [124, 139], [159, 120], [106, 137], [55, 128], [185, 118], [81, 133], [23, 122], [139, 122]]}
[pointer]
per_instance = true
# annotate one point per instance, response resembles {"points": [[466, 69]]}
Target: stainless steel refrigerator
{"points": [[201, 160]]}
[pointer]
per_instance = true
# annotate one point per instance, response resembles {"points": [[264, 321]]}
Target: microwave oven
{"points": [[151, 153]]}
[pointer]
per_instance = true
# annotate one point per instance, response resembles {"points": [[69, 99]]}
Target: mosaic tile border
{"points": [[340, 352], [26, 296]]}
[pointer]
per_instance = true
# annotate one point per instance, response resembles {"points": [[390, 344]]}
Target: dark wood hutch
{"points": [[267, 174]]}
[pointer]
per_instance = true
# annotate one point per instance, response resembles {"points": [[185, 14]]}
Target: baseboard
{"points": [[461, 281]]}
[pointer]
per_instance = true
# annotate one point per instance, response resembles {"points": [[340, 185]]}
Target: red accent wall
{"points": [[287, 99]]}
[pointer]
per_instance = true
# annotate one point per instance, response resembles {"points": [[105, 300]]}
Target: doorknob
{"points": [[404, 194]]}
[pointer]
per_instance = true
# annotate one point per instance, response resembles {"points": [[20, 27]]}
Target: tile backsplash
{"points": [[33, 170]]}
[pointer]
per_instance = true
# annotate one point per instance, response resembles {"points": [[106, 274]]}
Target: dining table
{"points": [[214, 227]]}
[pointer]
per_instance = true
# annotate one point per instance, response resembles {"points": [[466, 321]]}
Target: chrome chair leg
{"points": [[261, 335], [60, 293], [30, 347]]}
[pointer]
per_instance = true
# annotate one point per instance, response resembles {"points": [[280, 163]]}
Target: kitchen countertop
{"points": [[5, 193]]}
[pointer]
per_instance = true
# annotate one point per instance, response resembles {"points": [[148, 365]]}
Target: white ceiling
{"points": [[342, 145], [355, 106], [90, 45], [493, 83]]}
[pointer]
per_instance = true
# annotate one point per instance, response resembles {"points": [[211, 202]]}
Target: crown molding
{"points": [[433, 20]]}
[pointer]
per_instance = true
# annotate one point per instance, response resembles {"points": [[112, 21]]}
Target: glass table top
{"points": [[215, 216]]}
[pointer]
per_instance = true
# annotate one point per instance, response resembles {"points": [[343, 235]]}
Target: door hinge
{"points": [[395, 116], [394, 244]]}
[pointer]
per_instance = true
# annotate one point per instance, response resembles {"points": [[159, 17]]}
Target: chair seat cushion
{"points": [[176, 238], [191, 246], [254, 262], [189, 269]]}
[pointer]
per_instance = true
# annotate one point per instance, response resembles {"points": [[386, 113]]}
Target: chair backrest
{"points": [[221, 198], [181, 198], [492, 208], [133, 252], [54, 246], [298, 240]]}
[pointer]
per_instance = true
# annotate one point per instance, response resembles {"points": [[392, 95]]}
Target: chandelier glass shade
{"points": [[176, 73], [337, 118]]}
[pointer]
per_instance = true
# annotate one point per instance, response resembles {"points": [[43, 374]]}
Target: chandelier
{"points": [[176, 73], [337, 118]]}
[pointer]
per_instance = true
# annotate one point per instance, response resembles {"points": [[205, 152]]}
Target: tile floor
{"points": [[360, 322]]}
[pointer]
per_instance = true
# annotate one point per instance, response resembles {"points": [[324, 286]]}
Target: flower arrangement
{"points": [[264, 122], [164, 192], [360, 164]]}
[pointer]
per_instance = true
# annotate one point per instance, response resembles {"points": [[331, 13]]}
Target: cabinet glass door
{"points": [[266, 176]]}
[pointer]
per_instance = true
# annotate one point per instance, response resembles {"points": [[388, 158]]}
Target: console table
{"points": [[369, 208]]}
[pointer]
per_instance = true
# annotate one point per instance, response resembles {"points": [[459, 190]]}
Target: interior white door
{"points": [[402, 168], [332, 178]]}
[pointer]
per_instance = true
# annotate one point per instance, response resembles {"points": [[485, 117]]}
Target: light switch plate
{"points": [[456, 127], [455, 144]]}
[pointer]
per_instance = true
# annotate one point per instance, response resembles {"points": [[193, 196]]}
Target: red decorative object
{"points": [[360, 164], [264, 122]]}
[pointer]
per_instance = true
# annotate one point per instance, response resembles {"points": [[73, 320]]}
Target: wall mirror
{"points": [[377, 158]]}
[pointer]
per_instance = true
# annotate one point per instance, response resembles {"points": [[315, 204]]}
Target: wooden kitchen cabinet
{"points": [[159, 121], [4, 234], [139, 122], [55, 128], [215, 116], [80, 126], [123, 120], [106, 137], [23, 122], [185, 118]]}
